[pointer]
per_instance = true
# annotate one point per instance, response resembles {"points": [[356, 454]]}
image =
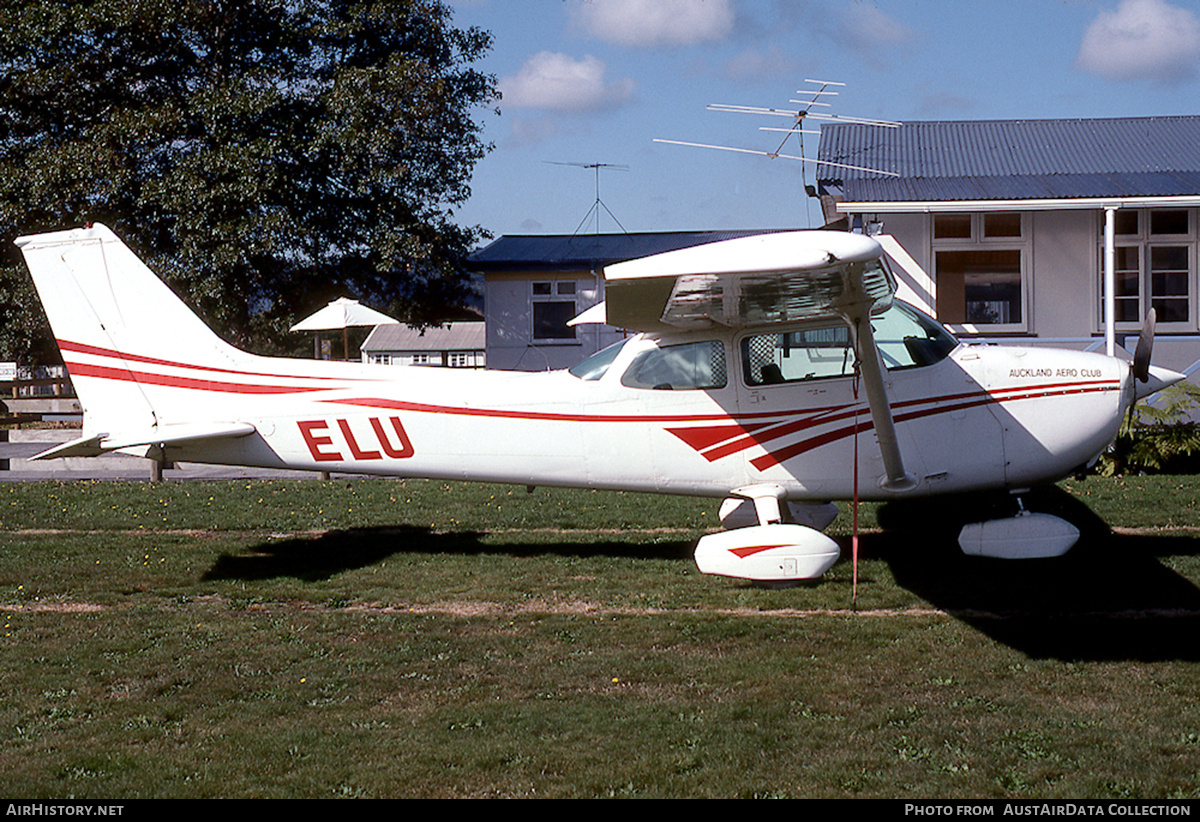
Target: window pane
{"points": [[1169, 283], [566, 287], [1168, 258], [813, 353], [693, 365], [1127, 275], [906, 338], [1126, 223], [1128, 302], [1170, 310], [952, 226], [1002, 225], [981, 286], [550, 320], [596, 366], [541, 289], [1169, 222]]}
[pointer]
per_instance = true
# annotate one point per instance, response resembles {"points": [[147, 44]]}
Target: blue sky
{"points": [[596, 81]]}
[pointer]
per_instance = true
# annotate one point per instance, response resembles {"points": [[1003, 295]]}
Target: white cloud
{"points": [[644, 23], [557, 82], [1142, 40], [754, 64], [867, 29], [530, 132]]}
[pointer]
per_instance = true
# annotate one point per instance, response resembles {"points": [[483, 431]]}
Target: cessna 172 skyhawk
{"points": [[777, 371]]}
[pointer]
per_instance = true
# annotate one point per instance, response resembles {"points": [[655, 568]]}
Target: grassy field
{"points": [[381, 638]]}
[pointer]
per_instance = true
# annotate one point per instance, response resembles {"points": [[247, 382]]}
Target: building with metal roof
{"points": [[1005, 160], [454, 345], [1063, 230], [583, 252]]}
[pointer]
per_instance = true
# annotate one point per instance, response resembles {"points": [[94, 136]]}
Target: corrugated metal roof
{"points": [[541, 252], [1016, 159], [1033, 187], [456, 336]]}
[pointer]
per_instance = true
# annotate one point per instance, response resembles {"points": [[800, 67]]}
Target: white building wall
{"points": [[1064, 274], [509, 305]]}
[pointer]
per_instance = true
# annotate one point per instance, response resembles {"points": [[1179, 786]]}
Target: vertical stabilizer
{"points": [[114, 321]]}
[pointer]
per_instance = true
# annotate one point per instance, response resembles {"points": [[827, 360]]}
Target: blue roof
{"points": [[1015, 159], [582, 252]]}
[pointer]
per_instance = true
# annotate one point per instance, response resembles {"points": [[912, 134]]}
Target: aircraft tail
{"points": [[128, 341]]}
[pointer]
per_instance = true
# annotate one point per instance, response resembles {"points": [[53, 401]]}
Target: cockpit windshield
{"points": [[908, 338], [595, 366]]}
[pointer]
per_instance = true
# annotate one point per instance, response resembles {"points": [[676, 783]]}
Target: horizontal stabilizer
{"points": [[81, 447], [161, 435]]}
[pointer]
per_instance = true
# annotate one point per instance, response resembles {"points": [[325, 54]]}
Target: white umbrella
{"points": [[343, 313]]}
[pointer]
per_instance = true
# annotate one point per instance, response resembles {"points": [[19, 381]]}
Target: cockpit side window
{"points": [[794, 356], [906, 338], [698, 365]]}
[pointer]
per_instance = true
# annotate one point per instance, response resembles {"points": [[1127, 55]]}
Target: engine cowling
{"points": [[767, 553]]}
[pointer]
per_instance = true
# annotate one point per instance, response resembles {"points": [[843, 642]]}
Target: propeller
{"points": [[1141, 355]]}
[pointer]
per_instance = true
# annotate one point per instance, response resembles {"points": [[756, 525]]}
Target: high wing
{"points": [[766, 280], [760, 280]]}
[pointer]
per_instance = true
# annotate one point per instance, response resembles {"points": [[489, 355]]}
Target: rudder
{"points": [[111, 316]]}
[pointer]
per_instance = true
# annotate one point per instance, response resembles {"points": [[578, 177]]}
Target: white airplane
{"points": [[776, 371]]}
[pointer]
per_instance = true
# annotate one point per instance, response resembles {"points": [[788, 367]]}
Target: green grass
{"points": [[418, 639]]}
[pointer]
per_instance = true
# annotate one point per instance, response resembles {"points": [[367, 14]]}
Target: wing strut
{"points": [[856, 307]]}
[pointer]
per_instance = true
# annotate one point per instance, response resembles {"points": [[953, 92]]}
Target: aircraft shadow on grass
{"points": [[1110, 598], [334, 552]]}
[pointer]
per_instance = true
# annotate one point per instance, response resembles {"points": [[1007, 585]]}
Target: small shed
{"points": [[452, 345]]}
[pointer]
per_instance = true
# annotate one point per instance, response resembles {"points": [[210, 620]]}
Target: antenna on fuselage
{"points": [[798, 116]]}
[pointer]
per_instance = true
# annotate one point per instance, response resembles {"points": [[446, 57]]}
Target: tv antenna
{"points": [[798, 116], [598, 204]]}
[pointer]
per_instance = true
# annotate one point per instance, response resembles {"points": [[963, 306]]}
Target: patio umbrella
{"points": [[343, 313]]}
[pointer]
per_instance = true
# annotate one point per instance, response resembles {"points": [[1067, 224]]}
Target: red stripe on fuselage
{"points": [[811, 414], [125, 375], [555, 416], [773, 458], [706, 436], [97, 351]]}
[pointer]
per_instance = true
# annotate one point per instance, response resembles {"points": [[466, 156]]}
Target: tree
{"points": [[263, 156]]}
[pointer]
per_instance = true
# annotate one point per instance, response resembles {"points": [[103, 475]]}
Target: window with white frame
{"points": [[552, 306], [1154, 267], [980, 263]]}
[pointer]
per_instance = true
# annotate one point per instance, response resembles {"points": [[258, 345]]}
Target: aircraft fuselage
{"points": [[980, 417]]}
